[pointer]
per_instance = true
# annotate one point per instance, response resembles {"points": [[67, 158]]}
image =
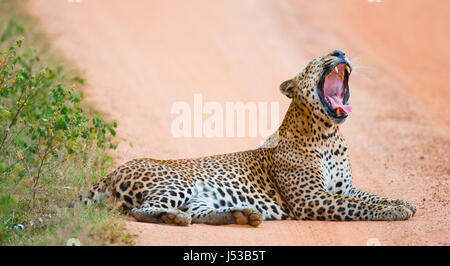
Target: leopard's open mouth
{"points": [[334, 91]]}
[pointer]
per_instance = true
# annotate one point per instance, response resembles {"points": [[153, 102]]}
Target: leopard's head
{"points": [[322, 87]]}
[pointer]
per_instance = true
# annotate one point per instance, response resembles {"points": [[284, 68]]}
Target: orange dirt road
{"points": [[140, 57]]}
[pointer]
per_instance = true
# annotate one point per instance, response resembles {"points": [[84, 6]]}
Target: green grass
{"points": [[52, 144]]}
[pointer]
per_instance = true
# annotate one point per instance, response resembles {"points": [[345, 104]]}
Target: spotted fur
{"points": [[301, 172]]}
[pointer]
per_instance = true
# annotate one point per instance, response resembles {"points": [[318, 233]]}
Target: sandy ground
{"points": [[140, 57]]}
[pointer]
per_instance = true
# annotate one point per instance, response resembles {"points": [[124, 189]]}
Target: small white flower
{"points": [[19, 226]]}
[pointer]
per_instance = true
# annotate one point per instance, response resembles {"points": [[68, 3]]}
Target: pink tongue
{"points": [[336, 103]]}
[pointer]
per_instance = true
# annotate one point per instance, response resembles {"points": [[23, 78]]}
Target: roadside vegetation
{"points": [[53, 146]]}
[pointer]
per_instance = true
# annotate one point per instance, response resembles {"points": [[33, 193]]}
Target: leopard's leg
{"points": [[120, 205], [202, 212], [307, 199], [321, 205], [152, 211], [356, 193]]}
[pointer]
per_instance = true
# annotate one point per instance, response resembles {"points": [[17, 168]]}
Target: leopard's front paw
{"points": [[408, 205], [394, 202], [395, 213]]}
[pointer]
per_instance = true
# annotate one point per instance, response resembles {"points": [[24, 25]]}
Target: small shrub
{"points": [[47, 140]]}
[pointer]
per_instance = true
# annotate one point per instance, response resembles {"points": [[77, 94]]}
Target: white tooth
{"points": [[336, 69]]}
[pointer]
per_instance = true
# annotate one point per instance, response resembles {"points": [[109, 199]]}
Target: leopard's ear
{"points": [[287, 87]]}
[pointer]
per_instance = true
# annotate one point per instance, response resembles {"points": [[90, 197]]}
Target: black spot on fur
{"points": [[128, 199]]}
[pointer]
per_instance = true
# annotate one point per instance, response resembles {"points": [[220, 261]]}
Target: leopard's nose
{"points": [[338, 53]]}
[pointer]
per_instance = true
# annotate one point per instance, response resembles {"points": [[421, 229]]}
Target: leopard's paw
{"points": [[394, 202], [177, 218], [248, 216], [395, 213]]}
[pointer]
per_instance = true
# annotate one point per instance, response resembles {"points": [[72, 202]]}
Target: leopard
{"points": [[302, 171]]}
